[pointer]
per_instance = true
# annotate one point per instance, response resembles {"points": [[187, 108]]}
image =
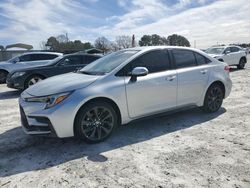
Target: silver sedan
{"points": [[121, 87]]}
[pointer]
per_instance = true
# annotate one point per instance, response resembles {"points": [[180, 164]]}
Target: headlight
{"points": [[50, 100], [17, 74]]}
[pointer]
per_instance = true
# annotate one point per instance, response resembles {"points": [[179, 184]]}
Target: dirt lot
{"points": [[185, 149]]}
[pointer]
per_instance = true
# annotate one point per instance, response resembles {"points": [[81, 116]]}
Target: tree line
{"points": [[62, 43]]}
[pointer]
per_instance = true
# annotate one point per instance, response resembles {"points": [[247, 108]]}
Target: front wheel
{"points": [[95, 122], [241, 64], [32, 80], [214, 98]]}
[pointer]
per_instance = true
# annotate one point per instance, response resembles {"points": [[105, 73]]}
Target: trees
{"points": [[156, 40], [61, 43], [123, 41], [153, 40], [177, 40], [103, 44]]}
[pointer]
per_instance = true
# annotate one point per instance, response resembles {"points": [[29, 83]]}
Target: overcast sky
{"points": [[206, 21]]}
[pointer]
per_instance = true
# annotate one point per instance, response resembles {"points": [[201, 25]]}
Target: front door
{"points": [[154, 92]]}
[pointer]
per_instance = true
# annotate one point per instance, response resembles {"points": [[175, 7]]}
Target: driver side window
{"points": [[227, 50], [154, 61]]}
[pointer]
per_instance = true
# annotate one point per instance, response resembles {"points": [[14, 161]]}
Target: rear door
{"points": [[154, 92], [236, 55], [228, 56], [193, 73]]}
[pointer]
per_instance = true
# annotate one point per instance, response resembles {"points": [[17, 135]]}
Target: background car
{"points": [[25, 60], [232, 55], [24, 78], [121, 87]]}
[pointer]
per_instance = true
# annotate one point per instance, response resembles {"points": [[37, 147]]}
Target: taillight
{"points": [[227, 68]]}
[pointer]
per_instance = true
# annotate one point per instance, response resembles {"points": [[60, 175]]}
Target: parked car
{"points": [[24, 78], [232, 55], [31, 59], [121, 87]]}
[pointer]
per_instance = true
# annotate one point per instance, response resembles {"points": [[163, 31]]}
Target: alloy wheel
{"points": [[34, 80], [97, 123], [215, 98]]}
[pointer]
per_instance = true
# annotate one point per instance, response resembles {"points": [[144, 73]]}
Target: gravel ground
{"points": [[184, 149]]}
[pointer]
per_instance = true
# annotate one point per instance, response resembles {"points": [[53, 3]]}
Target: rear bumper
{"points": [[228, 87]]}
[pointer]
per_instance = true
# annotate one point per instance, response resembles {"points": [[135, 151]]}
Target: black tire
{"points": [[213, 99], [95, 122], [3, 76], [241, 64], [28, 81]]}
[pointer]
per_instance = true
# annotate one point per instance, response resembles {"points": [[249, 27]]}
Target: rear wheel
{"points": [[95, 122], [3, 76], [241, 64], [33, 80], [214, 98]]}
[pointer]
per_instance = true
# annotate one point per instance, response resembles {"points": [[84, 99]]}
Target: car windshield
{"points": [[14, 59], [108, 63], [215, 50]]}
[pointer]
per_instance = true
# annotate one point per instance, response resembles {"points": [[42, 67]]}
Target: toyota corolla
{"points": [[121, 87]]}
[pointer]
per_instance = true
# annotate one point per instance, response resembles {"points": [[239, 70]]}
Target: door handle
{"points": [[171, 78], [203, 71]]}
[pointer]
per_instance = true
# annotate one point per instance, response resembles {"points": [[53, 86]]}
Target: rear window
{"points": [[184, 58], [201, 60]]}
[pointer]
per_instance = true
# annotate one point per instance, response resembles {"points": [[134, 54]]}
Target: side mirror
{"points": [[227, 52], [138, 71]]}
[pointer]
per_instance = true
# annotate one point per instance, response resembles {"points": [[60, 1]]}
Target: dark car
{"points": [[24, 78], [31, 59]]}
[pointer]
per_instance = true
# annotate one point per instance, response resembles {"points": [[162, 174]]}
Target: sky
{"points": [[207, 22]]}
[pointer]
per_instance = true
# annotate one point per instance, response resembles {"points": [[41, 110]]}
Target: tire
{"points": [[32, 80], [241, 64], [213, 99], [95, 122], [3, 76]]}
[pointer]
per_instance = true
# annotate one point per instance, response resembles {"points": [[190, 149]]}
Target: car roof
{"points": [[52, 53], [148, 48], [84, 54]]}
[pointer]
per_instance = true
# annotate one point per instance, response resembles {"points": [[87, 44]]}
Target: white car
{"points": [[232, 55], [121, 87]]}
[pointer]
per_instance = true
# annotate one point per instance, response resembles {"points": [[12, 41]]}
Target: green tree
{"points": [[153, 40], [177, 40], [63, 44]]}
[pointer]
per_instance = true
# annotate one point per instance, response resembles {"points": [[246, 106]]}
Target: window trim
{"points": [[121, 73]]}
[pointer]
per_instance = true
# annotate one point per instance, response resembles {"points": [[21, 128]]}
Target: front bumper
{"points": [[15, 83], [56, 121]]}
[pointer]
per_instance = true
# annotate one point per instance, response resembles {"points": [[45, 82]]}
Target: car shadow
{"points": [[10, 94], [26, 153]]}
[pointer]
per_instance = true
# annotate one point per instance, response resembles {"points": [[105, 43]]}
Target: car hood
{"points": [[62, 83]]}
